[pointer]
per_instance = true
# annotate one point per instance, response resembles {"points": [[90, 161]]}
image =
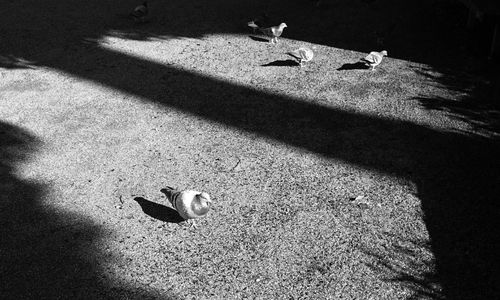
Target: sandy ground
{"points": [[91, 132]]}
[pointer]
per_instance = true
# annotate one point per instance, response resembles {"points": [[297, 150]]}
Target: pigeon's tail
{"points": [[169, 192], [365, 61], [138, 14], [294, 54]]}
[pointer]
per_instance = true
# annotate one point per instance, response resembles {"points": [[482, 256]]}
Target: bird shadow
{"points": [[281, 63], [159, 211], [259, 39], [353, 66]]}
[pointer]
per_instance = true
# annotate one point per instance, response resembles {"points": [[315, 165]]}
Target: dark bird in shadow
{"points": [[281, 63], [140, 13], [261, 22], [316, 3], [159, 211], [354, 66]]}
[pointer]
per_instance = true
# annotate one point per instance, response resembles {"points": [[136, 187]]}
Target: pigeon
{"points": [[261, 22], [317, 3], [273, 32], [140, 13], [303, 54], [374, 58], [189, 204], [253, 25]]}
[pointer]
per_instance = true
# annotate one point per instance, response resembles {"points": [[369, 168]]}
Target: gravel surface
{"points": [[330, 181]]}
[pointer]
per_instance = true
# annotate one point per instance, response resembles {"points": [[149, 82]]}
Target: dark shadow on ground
{"points": [[11, 62], [38, 31], [407, 261], [281, 63], [457, 174], [259, 39], [158, 211], [47, 253], [353, 66], [474, 100]]}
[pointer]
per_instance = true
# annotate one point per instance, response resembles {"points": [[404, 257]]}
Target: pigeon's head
{"points": [[283, 25], [204, 198], [384, 53]]}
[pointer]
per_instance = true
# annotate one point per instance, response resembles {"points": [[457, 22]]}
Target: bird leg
{"points": [[191, 223], [188, 223]]}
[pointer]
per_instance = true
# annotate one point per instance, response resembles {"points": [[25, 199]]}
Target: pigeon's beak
{"points": [[205, 197]]}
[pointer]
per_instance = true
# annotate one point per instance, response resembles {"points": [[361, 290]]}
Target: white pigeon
{"points": [[189, 204], [374, 58], [273, 32], [303, 54], [140, 13]]}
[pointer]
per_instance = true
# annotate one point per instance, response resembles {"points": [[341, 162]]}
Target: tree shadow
{"points": [[158, 211], [456, 174], [46, 253], [11, 62], [361, 27], [475, 100], [409, 263]]}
